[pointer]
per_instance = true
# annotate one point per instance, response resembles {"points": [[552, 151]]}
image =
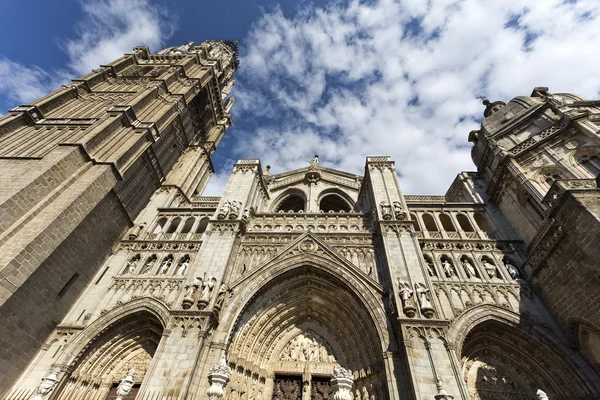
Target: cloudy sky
{"points": [[342, 79]]}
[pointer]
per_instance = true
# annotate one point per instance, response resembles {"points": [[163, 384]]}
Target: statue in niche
{"points": [[512, 270], [399, 212], [422, 294], [386, 210], [430, 267], [448, 268], [166, 264], [183, 265], [365, 393], [148, 265], [130, 266], [357, 395], [405, 294], [469, 268], [489, 268]]}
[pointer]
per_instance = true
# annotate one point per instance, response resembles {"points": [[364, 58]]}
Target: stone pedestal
{"points": [[341, 382], [218, 377]]}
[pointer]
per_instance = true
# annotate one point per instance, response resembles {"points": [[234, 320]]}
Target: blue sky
{"points": [[343, 79]]}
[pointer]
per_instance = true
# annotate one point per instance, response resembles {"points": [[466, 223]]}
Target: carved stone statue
{"points": [[207, 290], [307, 347], [341, 383], [130, 266], [512, 270], [48, 384], [183, 265], [386, 210], [541, 395], [489, 268], [224, 211], [220, 296], [190, 291], [422, 293], [448, 268], [218, 377], [126, 385], [234, 210], [430, 267], [166, 264], [469, 269], [405, 294], [137, 231], [399, 212], [148, 265], [246, 214]]}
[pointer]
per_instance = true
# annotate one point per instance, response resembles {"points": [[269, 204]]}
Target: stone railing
{"points": [[321, 222]]}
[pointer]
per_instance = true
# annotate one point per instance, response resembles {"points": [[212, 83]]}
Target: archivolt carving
{"points": [[304, 312], [126, 343], [512, 344]]}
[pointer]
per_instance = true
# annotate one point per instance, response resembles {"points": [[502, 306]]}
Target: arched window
{"points": [[429, 223], [160, 224], [333, 202], [292, 203], [174, 225], [482, 223], [591, 163], [187, 227], [447, 223], [465, 225], [202, 225], [415, 222]]}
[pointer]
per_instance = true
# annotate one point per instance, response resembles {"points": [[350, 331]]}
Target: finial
{"points": [[267, 170]]}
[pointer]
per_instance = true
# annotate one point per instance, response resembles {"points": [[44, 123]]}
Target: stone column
{"points": [[341, 382]]}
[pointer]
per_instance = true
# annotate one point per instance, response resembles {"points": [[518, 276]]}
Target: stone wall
{"points": [[32, 313]]}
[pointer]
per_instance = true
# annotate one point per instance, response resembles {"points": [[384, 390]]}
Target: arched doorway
{"points": [[127, 343], [294, 331], [500, 361]]}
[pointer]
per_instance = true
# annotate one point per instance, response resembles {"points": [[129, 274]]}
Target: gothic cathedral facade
{"points": [[120, 280]]}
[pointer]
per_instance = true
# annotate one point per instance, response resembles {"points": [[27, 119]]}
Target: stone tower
{"points": [[78, 167], [306, 284]]}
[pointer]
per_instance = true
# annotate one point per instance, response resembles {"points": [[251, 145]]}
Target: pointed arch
{"points": [[494, 343]]}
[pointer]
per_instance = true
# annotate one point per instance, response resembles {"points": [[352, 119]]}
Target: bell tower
{"points": [[79, 165]]}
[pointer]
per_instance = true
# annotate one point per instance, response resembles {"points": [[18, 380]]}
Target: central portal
{"points": [[295, 331]]}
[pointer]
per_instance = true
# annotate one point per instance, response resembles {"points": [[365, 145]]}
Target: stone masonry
{"points": [[119, 278]]}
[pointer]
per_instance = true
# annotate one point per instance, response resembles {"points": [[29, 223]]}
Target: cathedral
{"points": [[121, 280]]}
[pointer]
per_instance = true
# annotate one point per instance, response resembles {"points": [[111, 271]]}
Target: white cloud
{"points": [[402, 78], [114, 27], [21, 84], [109, 29]]}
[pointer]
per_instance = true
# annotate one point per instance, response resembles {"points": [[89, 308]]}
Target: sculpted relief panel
{"points": [[307, 346], [490, 378]]}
